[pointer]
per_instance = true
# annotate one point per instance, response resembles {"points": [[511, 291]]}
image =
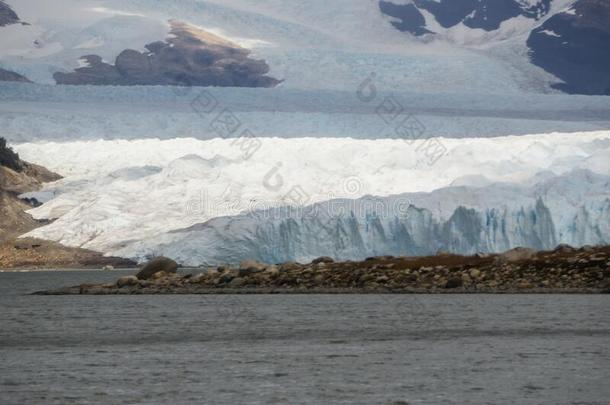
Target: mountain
{"points": [[422, 17], [569, 39], [574, 45], [188, 57], [469, 46]]}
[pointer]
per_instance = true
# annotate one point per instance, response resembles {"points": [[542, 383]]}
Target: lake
{"points": [[298, 349]]}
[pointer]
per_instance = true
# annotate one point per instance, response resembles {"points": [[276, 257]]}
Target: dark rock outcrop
{"points": [[190, 57], [410, 18], [17, 177], [8, 158], [575, 46], [482, 14], [322, 259], [8, 76], [158, 264], [7, 15]]}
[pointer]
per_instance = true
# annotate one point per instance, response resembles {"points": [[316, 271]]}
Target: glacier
{"points": [[494, 159], [129, 197], [33, 112], [573, 208]]}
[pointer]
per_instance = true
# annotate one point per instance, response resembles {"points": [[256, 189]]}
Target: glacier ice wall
{"points": [[504, 216]]}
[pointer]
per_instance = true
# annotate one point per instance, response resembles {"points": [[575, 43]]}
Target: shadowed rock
{"points": [[8, 158], [157, 264], [479, 14], [8, 76], [322, 259], [190, 57], [574, 45], [7, 15]]}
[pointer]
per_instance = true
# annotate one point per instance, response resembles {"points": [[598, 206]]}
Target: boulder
{"points": [[237, 282], [226, 277], [599, 257], [564, 248], [248, 267], [156, 265], [272, 270], [289, 266], [127, 281], [198, 278], [158, 275], [323, 259], [454, 282], [518, 254]]}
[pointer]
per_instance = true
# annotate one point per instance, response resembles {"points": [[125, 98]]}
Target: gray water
{"points": [[298, 349]]}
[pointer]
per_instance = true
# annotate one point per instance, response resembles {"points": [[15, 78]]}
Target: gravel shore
{"points": [[521, 270]]}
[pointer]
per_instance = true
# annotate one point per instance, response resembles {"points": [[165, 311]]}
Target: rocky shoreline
{"points": [[521, 270]]}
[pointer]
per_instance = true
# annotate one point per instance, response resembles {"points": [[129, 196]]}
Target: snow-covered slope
{"points": [[118, 196]]}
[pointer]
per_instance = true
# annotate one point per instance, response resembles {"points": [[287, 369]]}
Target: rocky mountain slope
{"points": [[18, 177], [567, 38], [188, 57], [574, 45], [430, 45], [422, 17]]}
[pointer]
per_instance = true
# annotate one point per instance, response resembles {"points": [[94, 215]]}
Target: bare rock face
{"points": [[190, 57], [7, 15], [156, 265], [8, 158], [574, 45], [8, 76], [133, 65]]}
